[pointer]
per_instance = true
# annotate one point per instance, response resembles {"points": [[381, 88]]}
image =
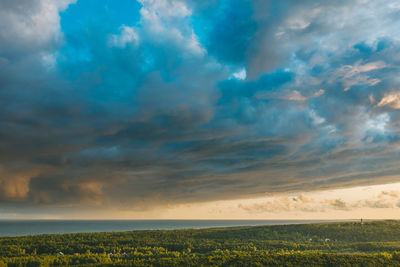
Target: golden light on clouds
{"points": [[374, 202], [368, 202]]}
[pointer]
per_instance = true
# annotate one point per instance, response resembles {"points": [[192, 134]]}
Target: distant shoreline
{"points": [[13, 228]]}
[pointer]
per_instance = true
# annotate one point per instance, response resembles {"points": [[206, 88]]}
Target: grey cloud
{"points": [[29, 26], [160, 120]]}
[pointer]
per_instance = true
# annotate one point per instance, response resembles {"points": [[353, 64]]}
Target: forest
{"points": [[373, 243]]}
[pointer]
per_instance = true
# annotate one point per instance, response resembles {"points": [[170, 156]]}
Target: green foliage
{"points": [[330, 244]]}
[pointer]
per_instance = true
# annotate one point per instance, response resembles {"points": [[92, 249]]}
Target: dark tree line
{"points": [[330, 244]]}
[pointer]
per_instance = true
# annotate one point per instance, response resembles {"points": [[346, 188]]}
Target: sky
{"points": [[184, 109]]}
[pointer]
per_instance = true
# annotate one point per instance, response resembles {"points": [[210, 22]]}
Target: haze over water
{"points": [[34, 227]]}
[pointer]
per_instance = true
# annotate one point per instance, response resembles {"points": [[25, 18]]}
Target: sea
{"points": [[36, 227]]}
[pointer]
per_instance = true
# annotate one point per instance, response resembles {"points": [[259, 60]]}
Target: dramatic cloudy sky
{"points": [[156, 108]]}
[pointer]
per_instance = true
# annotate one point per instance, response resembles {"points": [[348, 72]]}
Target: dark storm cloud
{"points": [[188, 101]]}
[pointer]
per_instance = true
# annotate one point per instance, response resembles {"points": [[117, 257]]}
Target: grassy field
{"points": [[375, 243]]}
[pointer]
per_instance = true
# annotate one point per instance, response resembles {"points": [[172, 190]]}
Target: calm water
{"points": [[18, 228]]}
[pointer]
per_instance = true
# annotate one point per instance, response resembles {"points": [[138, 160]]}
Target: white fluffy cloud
{"points": [[30, 25], [128, 35], [164, 21]]}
